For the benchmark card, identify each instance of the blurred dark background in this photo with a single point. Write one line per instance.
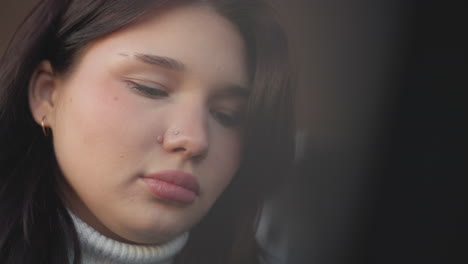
(382, 137)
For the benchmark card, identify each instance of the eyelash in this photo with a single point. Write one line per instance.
(225, 119)
(147, 91)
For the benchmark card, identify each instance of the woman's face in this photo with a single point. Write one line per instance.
(147, 127)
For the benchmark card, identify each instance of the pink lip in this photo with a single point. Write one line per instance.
(173, 185)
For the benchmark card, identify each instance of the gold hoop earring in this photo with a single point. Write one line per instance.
(44, 129)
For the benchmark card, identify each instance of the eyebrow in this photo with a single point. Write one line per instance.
(175, 65)
(165, 62)
(233, 90)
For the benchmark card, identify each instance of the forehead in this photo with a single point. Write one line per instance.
(206, 43)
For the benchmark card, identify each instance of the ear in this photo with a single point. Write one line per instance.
(43, 91)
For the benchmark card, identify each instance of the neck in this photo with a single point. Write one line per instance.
(97, 248)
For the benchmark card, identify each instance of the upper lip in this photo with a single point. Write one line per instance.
(177, 177)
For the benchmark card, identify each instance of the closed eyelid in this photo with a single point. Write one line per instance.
(148, 91)
(229, 103)
(148, 83)
(228, 118)
(233, 92)
(144, 81)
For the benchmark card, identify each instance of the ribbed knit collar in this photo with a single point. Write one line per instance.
(97, 248)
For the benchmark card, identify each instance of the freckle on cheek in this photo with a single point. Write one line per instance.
(116, 98)
(122, 156)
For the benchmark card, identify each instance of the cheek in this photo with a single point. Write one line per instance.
(224, 162)
(98, 124)
(94, 111)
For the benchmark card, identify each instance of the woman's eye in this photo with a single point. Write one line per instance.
(227, 119)
(147, 91)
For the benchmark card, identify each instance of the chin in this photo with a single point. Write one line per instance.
(149, 234)
(157, 227)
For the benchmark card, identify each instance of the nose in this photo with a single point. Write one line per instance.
(187, 133)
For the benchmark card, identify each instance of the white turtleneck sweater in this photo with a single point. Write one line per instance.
(98, 249)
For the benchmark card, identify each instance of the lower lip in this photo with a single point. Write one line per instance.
(170, 191)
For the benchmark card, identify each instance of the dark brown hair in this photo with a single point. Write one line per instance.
(35, 226)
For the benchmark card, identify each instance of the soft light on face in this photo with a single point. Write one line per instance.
(166, 94)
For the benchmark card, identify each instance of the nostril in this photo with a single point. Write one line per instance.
(179, 149)
(199, 157)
